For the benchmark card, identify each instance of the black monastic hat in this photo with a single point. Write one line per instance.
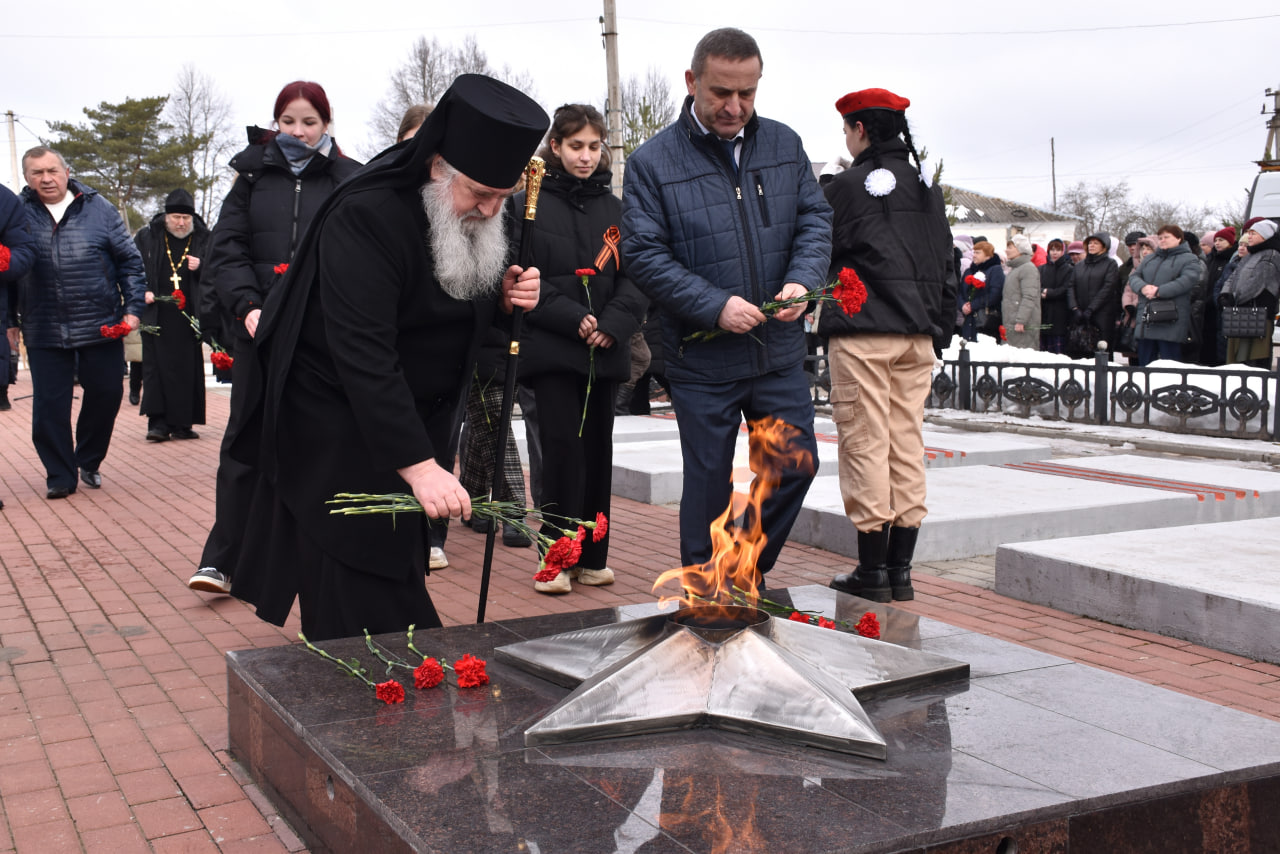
(179, 202)
(491, 130)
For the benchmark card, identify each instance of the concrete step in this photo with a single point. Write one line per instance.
(1213, 584)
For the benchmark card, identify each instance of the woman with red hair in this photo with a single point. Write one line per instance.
(284, 175)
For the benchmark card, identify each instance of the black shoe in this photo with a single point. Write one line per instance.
(514, 537)
(480, 526)
(5, 405)
(58, 492)
(870, 580)
(154, 435)
(902, 546)
(134, 398)
(184, 433)
(91, 479)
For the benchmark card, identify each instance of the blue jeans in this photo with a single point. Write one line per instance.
(710, 416)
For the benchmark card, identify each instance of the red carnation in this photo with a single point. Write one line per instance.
(824, 623)
(221, 361)
(179, 299)
(4, 257)
(798, 617)
(115, 330)
(582, 534)
(585, 271)
(851, 292)
(978, 281)
(546, 573)
(869, 625)
(280, 269)
(602, 528)
(390, 692)
(563, 554)
(428, 674)
(1003, 334)
(470, 671)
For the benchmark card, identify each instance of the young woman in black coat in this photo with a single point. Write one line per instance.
(283, 176)
(574, 352)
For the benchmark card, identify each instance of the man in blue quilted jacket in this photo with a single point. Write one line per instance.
(721, 215)
(87, 275)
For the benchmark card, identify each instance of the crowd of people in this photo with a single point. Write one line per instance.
(367, 314)
(1166, 300)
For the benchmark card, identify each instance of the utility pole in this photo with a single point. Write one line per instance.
(613, 109)
(1271, 154)
(1053, 171)
(13, 152)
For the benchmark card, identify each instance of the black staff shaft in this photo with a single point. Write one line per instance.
(533, 185)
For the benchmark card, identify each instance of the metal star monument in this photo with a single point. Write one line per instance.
(736, 669)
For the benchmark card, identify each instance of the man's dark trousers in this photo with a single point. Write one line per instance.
(100, 368)
(710, 417)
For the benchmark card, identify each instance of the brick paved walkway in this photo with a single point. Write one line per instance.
(113, 728)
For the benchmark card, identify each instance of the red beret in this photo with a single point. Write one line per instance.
(871, 99)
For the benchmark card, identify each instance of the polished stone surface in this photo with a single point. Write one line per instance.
(1033, 751)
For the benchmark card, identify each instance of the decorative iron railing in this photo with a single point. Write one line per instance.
(1209, 402)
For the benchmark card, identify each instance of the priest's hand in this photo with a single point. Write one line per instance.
(520, 287)
(132, 320)
(251, 321)
(193, 263)
(151, 297)
(437, 490)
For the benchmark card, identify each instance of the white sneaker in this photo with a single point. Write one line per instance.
(594, 577)
(559, 584)
(437, 559)
(209, 580)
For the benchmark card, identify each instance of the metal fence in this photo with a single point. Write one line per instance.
(1222, 402)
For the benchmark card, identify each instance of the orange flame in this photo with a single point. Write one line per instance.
(737, 535)
(727, 824)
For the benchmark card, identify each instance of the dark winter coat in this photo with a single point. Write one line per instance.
(173, 361)
(1176, 272)
(1255, 279)
(574, 216)
(694, 233)
(263, 218)
(899, 245)
(87, 272)
(1215, 264)
(988, 297)
(15, 237)
(1095, 291)
(1056, 278)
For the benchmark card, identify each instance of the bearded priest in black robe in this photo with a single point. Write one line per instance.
(368, 345)
(172, 361)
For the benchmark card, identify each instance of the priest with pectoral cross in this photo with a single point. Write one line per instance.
(172, 358)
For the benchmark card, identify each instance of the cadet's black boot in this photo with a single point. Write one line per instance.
(870, 580)
(902, 545)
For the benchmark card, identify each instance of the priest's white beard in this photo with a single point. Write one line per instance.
(469, 253)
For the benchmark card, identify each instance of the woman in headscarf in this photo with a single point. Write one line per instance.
(1255, 281)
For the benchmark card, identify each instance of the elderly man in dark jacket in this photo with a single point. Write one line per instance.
(721, 214)
(88, 275)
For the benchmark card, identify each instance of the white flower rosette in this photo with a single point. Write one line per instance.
(880, 182)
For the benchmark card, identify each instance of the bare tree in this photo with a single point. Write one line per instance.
(201, 118)
(425, 75)
(1100, 207)
(1150, 214)
(647, 107)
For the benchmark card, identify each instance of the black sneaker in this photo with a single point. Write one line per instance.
(209, 580)
(515, 538)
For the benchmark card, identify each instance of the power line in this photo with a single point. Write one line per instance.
(292, 34)
(970, 33)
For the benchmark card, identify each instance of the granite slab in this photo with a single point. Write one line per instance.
(1032, 754)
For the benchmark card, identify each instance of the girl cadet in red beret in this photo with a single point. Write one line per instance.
(891, 231)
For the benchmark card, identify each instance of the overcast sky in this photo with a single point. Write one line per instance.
(1125, 93)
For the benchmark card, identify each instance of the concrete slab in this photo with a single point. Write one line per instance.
(652, 470)
(1262, 487)
(1214, 585)
(975, 509)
